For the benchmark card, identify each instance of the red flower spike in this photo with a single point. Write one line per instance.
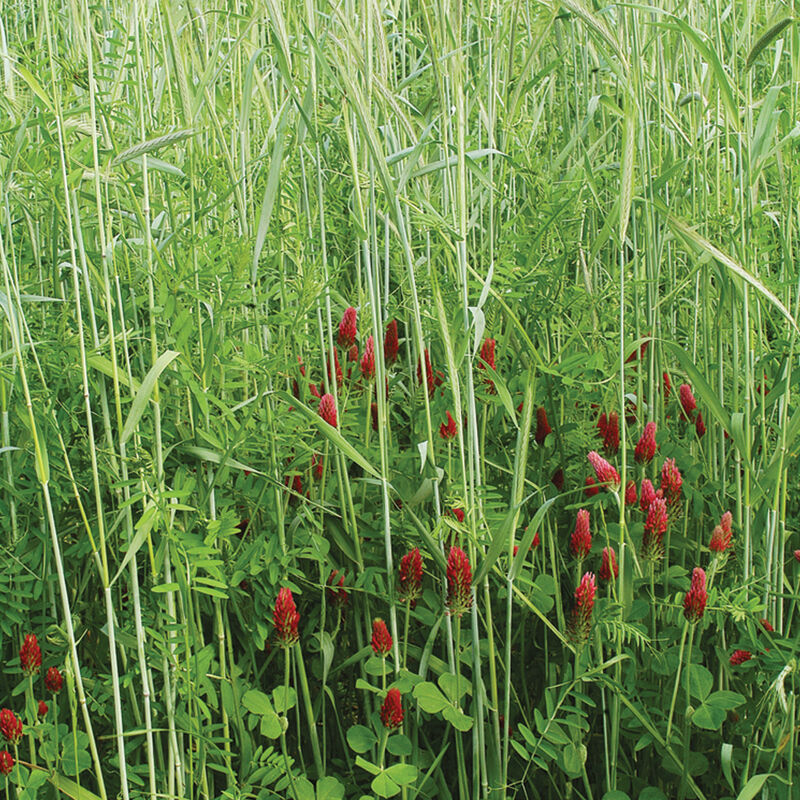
(458, 513)
(726, 522)
(767, 626)
(317, 465)
(720, 539)
(487, 354)
(53, 680)
(667, 387)
(285, 618)
(428, 374)
(30, 656)
(739, 657)
(411, 575)
(542, 426)
(381, 639)
(604, 471)
(368, 360)
(391, 344)
(646, 446)
(694, 604)
(591, 490)
(327, 410)
(337, 366)
(10, 726)
(580, 542)
(487, 359)
(688, 403)
(699, 425)
(392, 710)
(655, 527)
(347, 329)
(602, 424)
(336, 593)
(640, 353)
(797, 555)
(630, 493)
(609, 569)
(6, 762)
(42, 710)
(611, 436)
(459, 582)
(297, 488)
(558, 479)
(671, 482)
(450, 430)
(352, 353)
(580, 624)
(647, 495)
(536, 540)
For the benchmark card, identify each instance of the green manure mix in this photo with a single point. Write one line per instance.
(398, 399)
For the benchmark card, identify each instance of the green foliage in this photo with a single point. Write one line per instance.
(192, 194)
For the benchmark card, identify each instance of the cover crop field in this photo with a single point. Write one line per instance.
(398, 399)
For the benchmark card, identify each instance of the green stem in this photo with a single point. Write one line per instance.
(284, 749)
(312, 725)
(687, 736)
(677, 681)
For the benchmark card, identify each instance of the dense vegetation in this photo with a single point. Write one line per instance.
(399, 399)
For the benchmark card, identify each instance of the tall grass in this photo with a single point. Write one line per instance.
(192, 195)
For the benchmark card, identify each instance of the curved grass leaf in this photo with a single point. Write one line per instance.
(145, 390)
